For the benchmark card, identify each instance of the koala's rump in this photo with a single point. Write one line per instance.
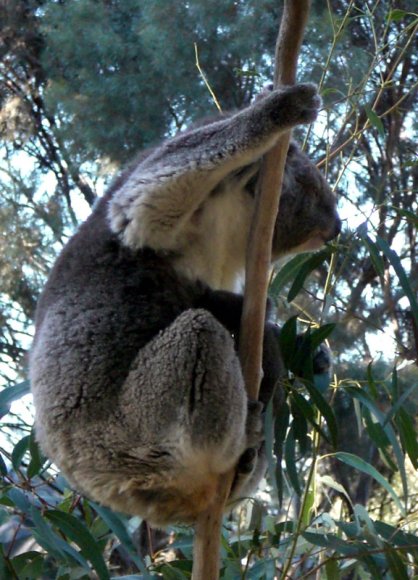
(128, 423)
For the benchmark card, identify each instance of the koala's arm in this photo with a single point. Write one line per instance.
(162, 194)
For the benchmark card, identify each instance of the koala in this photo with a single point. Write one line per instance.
(137, 386)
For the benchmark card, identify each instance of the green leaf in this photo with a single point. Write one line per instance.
(409, 215)
(308, 412)
(403, 278)
(375, 121)
(288, 336)
(3, 466)
(331, 569)
(10, 394)
(52, 543)
(361, 396)
(280, 429)
(331, 542)
(408, 435)
(328, 481)
(361, 465)
(19, 451)
(396, 564)
(19, 499)
(371, 382)
(290, 459)
(272, 463)
(398, 537)
(37, 459)
(375, 256)
(77, 532)
(28, 565)
(117, 526)
(306, 268)
(396, 14)
(325, 410)
(318, 335)
(398, 404)
(287, 273)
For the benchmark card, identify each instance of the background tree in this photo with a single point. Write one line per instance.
(84, 84)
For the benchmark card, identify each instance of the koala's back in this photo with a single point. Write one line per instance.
(102, 303)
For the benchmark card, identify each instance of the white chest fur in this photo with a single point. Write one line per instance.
(214, 242)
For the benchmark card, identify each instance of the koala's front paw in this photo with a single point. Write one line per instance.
(295, 105)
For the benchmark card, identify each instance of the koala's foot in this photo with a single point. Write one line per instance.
(295, 105)
(322, 360)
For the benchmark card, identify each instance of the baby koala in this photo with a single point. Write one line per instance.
(137, 385)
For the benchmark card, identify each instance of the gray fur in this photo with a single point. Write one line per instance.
(137, 386)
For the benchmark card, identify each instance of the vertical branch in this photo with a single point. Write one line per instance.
(206, 549)
(289, 40)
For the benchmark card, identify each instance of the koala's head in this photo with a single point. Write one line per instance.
(307, 215)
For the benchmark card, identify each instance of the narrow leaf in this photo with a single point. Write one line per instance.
(400, 272)
(52, 543)
(117, 526)
(375, 256)
(306, 268)
(10, 394)
(287, 273)
(409, 215)
(360, 395)
(361, 465)
(396, 564)
(318, 335)
(78, 533)
(325, 410)
(290, 459)
(19, 451)
(375, 121)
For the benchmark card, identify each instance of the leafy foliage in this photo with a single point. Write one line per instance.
(83, 85)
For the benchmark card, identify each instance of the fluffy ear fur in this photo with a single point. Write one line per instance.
(137, 386)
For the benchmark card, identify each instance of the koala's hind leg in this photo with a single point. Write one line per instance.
(183, 420)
